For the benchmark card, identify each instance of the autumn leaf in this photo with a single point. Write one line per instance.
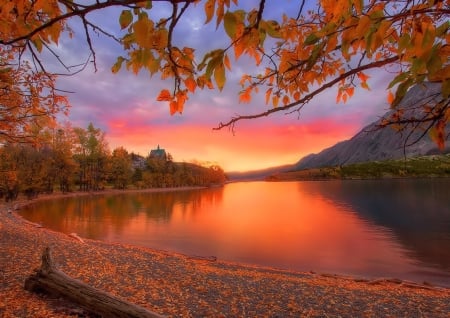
(437, 134)
(230, 24)
(190, 84)
(116, 67)
(268, 93)
(390, 97)
(173, 107)
(143, 28)
(244, 96)
(226, 61)
(275, 100)
(209, 9)
(219, 76)
(125, 19)
(164, 95)
(363, 77)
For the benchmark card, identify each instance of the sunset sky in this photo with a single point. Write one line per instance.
(124, 105)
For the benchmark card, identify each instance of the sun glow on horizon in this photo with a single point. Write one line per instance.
(250, 148)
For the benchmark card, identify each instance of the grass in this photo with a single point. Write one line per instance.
(417, 167)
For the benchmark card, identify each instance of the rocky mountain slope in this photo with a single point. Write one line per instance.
(377, 144)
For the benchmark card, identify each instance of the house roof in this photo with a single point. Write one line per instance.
(158, 153)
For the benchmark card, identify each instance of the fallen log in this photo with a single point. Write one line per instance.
(49, 279)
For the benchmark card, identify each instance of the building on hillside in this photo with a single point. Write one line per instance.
(158, 153)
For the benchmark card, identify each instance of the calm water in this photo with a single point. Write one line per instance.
(396, 228)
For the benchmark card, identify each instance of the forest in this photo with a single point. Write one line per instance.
(77, 159)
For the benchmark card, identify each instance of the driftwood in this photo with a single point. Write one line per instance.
(75, 236)
(51, 280)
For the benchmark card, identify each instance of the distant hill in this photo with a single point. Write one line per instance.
(416, 167)
(375, 144)
(257, 174)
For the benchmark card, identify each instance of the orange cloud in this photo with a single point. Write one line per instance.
(255, 146)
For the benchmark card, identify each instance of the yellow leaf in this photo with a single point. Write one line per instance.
(365, 86)
(219, 76)
(125, 19)
(230, 24)
(116, 67)
(275, 100)
(143, 28)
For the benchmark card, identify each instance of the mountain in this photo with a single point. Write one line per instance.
(376, 144)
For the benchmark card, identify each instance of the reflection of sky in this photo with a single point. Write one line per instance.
(125, 106)
(320, 226)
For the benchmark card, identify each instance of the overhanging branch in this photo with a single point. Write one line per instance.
(304, 100)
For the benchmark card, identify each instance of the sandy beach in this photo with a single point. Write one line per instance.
(178, 285)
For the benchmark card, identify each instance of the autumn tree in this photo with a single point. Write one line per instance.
(120, 170)
(28, 98)
(297, 56)
(91, 153)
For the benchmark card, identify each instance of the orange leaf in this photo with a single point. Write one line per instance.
(173, 107)
(350, 91)
(227, 63)
(363, 77)
(245, 97)
(338, 97)
(190, 83)
(268, 93)
(164, 95)
(390, 97)
(209, 10)
(181, 99)
(275, 100)
(344, 98)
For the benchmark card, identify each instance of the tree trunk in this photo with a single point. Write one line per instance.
(51, 280)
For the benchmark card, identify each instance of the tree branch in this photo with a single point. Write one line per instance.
(309, 96)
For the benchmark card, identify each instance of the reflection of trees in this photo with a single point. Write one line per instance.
(417, 211)
(98, 215)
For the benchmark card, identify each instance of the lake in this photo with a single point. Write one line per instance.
(364, 228)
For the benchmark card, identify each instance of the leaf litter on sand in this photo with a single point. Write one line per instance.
(180, 286)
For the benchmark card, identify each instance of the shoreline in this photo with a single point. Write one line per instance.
(175, 284)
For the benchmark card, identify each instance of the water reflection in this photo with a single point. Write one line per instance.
(357, 227)
(417, 213)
